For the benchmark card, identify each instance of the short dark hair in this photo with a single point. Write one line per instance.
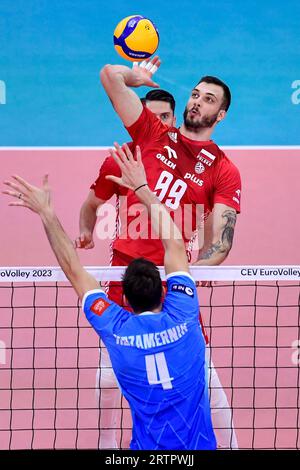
(142, 285)
(160, 95)
(227, 95)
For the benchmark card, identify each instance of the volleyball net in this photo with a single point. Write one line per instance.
(53, 394)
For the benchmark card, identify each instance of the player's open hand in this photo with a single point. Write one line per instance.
(133, 171)
(85, 240)
(36, 199)
(143, 72)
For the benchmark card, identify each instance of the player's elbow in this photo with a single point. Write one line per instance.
(223, 243)
(223, 250)
(105, 71)
(227, 241)
(90, 206)
(108, 74)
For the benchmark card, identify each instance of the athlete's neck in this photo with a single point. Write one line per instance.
(158, 309)
(155, 310)
(202, 134)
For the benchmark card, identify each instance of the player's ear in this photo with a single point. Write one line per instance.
(221, 115)
(125, 301)
(163, 292)
(174, 121)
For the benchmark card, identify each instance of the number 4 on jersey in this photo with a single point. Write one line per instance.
(157, 370)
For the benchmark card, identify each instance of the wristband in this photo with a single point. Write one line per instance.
(145, 184)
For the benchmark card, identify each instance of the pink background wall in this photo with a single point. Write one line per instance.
(267, 230)
(47, 395)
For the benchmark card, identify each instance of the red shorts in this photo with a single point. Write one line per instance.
(115, 291)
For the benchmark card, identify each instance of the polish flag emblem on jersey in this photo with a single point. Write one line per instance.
(99, 306)
(206, 157)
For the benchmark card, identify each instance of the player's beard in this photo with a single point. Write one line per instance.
(203, 122)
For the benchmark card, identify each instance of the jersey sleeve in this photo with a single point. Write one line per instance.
(181, 300)
(104, 315)
(228, 185)
(147, 127)
(104, 189)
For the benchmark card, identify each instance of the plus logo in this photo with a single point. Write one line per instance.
(2, 92)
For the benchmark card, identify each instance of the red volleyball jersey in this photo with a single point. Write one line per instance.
(188, 176)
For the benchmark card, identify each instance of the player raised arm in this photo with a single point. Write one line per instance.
(87, 221)
(134, 178)
(117, 80)
(218, 236)
(39, 201)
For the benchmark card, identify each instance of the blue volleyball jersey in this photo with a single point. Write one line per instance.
(159, 362)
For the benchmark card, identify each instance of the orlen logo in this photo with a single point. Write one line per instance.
(193, 178)
(167, 161)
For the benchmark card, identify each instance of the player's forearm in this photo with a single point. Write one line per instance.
(216, 250)
(213, 255)
(161, 220)
(60, 243)
(117, 81)
(87, 218)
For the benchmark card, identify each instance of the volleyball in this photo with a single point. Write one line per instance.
(136, 38)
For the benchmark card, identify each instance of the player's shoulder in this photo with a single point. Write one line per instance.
(101, 312)
(181, 282)
(147, 114)
(214, 150)
(96, 301)
(181, 301)
(180, 275)
(221, 161)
